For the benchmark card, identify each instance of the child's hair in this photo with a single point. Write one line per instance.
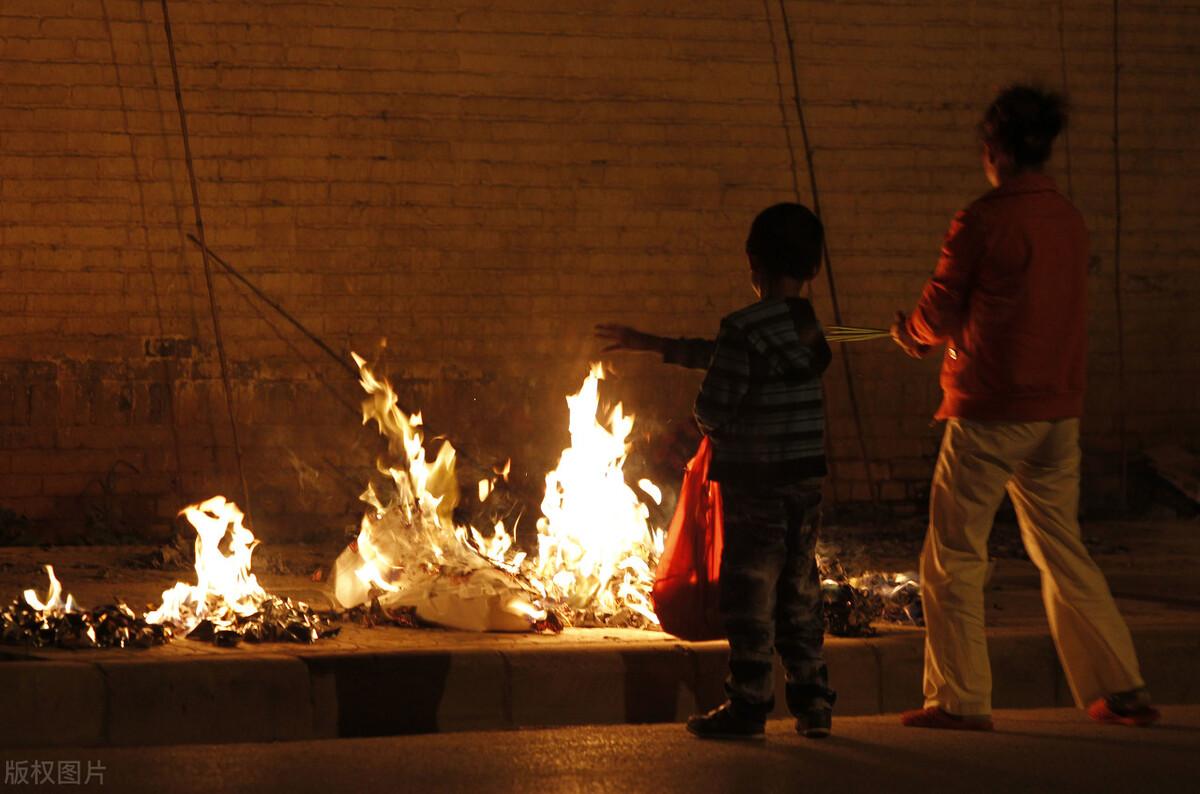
(786, 240)
(1024, 121)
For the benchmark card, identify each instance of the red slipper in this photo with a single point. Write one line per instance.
(936, 717)
(1103, 712)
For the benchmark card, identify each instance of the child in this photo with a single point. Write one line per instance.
(761, 405)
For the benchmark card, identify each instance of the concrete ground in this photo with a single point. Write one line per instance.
(1055, 750)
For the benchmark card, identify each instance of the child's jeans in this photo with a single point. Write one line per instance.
(771, 595)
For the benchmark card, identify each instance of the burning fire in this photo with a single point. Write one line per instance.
(54, 604)
(596, 548)
(410, 551)
(594, 564)
(225, 589)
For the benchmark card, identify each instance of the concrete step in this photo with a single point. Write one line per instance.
(280, 693)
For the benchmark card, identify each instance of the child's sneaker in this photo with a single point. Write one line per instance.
(1125, 708)
(812, 704)
(937, 717)
(724, 722)
(815, 721)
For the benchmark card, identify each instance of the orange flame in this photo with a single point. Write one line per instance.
(225, 588)
(596, 547)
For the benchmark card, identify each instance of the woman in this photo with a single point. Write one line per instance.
(1008, 300)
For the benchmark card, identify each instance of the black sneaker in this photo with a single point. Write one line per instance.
(816, 721)
(724, 723)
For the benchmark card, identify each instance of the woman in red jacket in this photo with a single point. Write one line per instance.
(1008, 300)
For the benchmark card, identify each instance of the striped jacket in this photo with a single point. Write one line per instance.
(761, 399)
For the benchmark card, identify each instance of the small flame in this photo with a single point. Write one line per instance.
(54, 602)
(651, 490)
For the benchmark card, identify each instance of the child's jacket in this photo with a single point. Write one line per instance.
(761, 399)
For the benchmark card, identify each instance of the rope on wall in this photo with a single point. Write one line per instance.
(208, 276)
(787, 130)
(164, 364)
(342, 360)
(847, 367)
(1116, 149)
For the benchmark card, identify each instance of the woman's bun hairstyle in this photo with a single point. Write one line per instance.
(1024, 121)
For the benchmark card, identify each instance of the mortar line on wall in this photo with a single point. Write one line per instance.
(296, 352)
(324, 346)
(248, 287)
(787, 130)
(1066, 88)
(208, 278)
(165, 366)
(145, 28)
(1116, 149)
(847, 367)
(278, 307)
(795, 168)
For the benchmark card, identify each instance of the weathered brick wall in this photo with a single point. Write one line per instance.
(480, 182)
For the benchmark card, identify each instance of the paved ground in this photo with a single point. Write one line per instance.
(1045, 750)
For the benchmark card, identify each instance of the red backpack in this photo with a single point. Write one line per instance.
(687, 582)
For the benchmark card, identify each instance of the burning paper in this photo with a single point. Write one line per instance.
(410, 553)
(596, 548)
(59, 622)
(227, 604)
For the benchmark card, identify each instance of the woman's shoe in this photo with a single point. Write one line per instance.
(1125, 708)
(937, 717)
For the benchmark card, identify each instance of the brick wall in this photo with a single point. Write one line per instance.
(481, 182)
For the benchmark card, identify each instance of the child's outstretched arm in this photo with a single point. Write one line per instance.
(690, 353)
(725, 383)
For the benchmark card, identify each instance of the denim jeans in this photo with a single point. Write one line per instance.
(771, 595)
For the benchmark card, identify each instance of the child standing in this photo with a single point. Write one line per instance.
(761, 405)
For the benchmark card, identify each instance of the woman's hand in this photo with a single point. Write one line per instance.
(622, 337)
(903, 338)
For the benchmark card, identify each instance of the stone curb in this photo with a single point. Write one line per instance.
(278, 697)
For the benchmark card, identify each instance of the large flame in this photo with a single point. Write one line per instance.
(596, 547)
(408, 547)
(225, 588)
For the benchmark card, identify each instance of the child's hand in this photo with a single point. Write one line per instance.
(622, 337)
(903, 338)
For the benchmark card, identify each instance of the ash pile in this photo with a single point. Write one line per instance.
(58, 622)
(855, 598)
(55, 622)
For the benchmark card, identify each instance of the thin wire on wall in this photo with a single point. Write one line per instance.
(1116, 149)
(208, 277)
(847, 367)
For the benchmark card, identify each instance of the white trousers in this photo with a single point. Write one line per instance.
(1038, 463)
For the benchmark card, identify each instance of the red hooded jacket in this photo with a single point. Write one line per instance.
(1009, 298)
